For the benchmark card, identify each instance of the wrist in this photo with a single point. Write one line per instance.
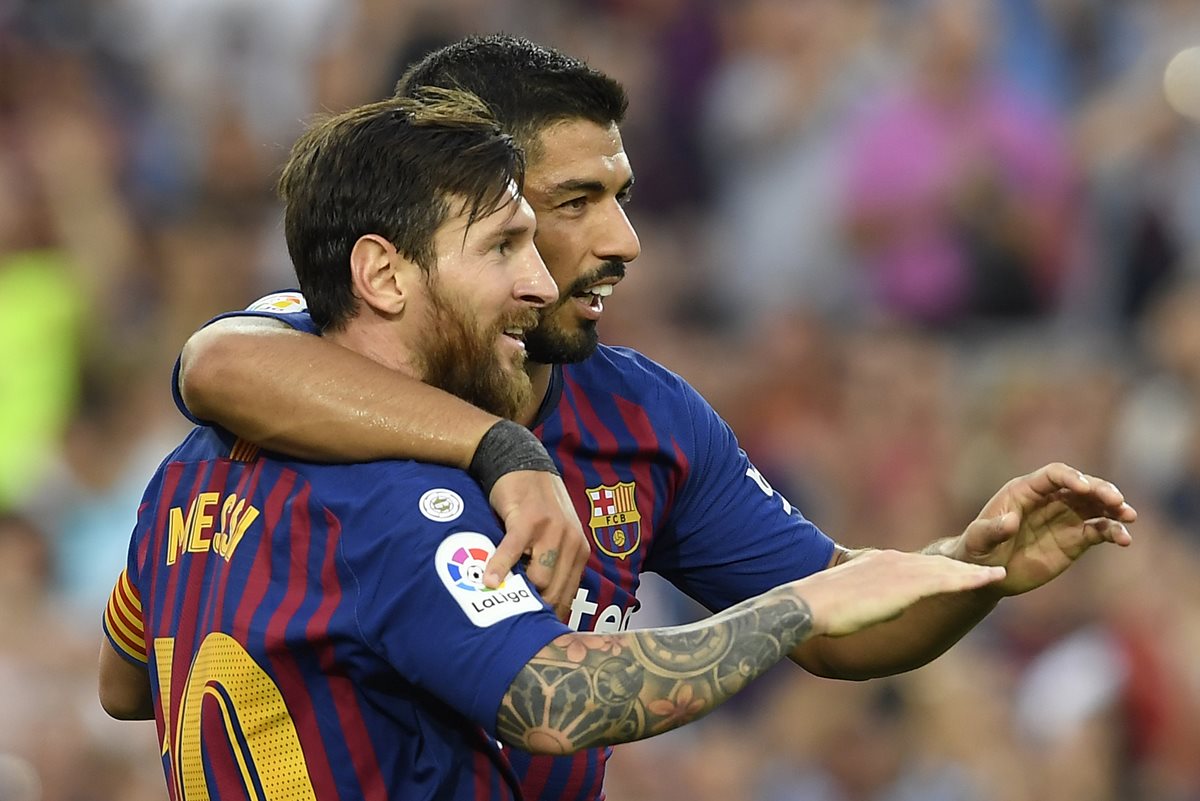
(950, 547)
(508, 447)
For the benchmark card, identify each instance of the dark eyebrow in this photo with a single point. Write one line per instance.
(508, 232)
(584, 185)
(518, 229)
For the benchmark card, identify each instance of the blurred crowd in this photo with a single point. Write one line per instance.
(908, 248)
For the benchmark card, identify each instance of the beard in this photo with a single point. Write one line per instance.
(568, 341)
(552, 343)
(460, 357)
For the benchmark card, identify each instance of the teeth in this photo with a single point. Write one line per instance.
(515, 332)
(604, 290)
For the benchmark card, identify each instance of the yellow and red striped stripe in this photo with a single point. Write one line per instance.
(123, 619)
(244, 451)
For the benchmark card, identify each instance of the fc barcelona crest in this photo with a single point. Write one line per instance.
(615, 522)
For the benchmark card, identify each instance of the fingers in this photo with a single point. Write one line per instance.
(880, 585)
(985, 534)
(541, 523)
(557, 554)
(1104, 501)
(1105, 530)
(1055, 478)
(556, 566)
(507, 554)
(1112, 499)
(974, 578)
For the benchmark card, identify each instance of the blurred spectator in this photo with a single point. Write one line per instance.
(1157, 438)
(1143, 165)
(1061, 51)
(863, 751)
(88, 503)
(960, 189)
(775, 134)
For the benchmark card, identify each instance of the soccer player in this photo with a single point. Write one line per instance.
(656, 477)
(307, 631)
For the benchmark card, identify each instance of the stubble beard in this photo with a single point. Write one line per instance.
(552, 342)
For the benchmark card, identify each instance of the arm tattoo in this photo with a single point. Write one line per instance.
(586, 690)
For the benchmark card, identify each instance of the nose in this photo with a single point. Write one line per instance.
(620, 241)
(534, 285)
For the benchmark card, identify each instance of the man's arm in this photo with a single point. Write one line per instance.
(301, 395)
(305, 396)
(1036, 526)
(124, 687)
(587, 690)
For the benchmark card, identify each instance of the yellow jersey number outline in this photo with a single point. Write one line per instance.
(222, 669)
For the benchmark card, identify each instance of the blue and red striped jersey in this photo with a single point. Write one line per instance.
(322, 631)
(661, 485)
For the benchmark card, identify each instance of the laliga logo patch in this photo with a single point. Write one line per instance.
(460, 561)
(441, 505)
(466, 567)
(280, 303)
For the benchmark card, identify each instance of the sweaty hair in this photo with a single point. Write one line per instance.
(391, 168)
(527, 86)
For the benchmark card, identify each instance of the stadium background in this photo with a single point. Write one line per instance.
(897, 303)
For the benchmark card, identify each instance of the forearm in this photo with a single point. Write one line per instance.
(587, 690)
(124, 689)
(310, 398)
(916, 638)
(921, 634)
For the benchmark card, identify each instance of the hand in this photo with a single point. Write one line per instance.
(540, 521)
(876, 586)
(1038, 525)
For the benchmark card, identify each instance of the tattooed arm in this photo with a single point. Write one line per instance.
(585, 690)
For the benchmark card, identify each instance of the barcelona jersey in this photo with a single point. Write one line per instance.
(661, 485)
(322, 631)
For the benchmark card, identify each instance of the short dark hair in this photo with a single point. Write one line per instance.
(389, 168)
(528, 86)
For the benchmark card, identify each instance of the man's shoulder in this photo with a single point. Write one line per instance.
(287, 307)
(387, 486)
(628, 372)
(350, 483)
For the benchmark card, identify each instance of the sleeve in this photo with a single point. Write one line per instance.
(423, 606)
(288, 307)
(730, 536)
(123, 621)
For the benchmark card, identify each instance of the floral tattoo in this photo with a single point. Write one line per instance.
(586, 690)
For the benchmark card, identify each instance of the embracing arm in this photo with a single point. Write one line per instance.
(242, 372)
(587, 690)
(302, 395)
(1036, 526)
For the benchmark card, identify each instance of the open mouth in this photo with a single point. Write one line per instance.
(517, 335)
(592, 297)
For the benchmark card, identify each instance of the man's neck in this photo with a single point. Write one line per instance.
(365, 342)
(539, 379)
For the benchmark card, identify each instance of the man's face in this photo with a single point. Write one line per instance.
(483, 296)
(577, 187)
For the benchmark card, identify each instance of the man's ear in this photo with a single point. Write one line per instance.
(380, 276)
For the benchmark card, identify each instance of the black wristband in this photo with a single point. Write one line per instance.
(506, 448)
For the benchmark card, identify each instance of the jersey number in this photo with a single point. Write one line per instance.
(757, 478)
(260, 732)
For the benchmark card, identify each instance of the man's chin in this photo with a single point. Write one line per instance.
(553, 345)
